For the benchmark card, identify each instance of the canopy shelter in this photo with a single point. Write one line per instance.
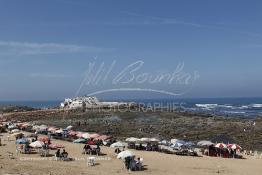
(204, 143)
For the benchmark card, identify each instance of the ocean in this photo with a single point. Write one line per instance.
(242, 107)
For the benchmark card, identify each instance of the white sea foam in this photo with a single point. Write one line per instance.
(235, 112)
(207, 106)
(256, 105)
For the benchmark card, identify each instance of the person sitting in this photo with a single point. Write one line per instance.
(86, 149)
(132, 164)
(57, 154)
(127, 162)
(139, 164)
(64, 154)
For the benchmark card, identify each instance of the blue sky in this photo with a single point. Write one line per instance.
(46, 47)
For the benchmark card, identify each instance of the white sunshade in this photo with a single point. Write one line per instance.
(205, 143)
(154, 140)
(15, 131)
(132, 139)
(118, 144)
(145, 139)
(221, 145)
(86, 135)
(37, 144)
(124, 154)
(174, 141)
(69, 127)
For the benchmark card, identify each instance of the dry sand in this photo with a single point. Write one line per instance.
(156, 163)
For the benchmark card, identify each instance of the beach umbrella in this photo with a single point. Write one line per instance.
(221, 145)
(69, 127)
(132, 139)
(25, 125)
(72, 133)
(55, 146)
(145, 139)
(102, 137)
(59, 131)
(189, 144)
(81, 140)
(204, 143)
(90, 142)
(234, 146)
(174, 141)
(52, 129)
(95, 135)
(11, 127)
(86, 136)
(164, 142)
(79, 134)
(154, 140)
(178, 144)
(43, 138)
(124, 154)
(37, 144)
(118, 144)
(43, 128)
(21, 141)
(15, 131)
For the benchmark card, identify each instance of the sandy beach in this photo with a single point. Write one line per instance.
(155, 163)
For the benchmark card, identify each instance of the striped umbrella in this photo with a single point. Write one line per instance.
(234, 146)
(221, 145)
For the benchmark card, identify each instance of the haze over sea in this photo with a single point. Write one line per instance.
(242, 107)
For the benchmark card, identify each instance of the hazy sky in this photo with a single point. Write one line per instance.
(47, 48)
